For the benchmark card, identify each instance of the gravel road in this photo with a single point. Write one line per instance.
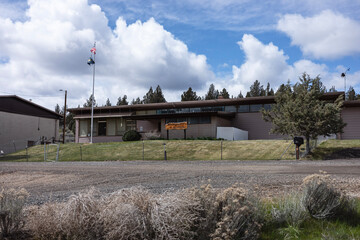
(56, 181)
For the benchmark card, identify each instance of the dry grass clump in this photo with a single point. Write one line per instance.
(12, 202)
(322, 199)
(136, 213)
(131, 213)
(78, 218)
(227, 214)
(289, 210)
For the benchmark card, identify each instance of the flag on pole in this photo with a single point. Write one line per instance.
(90, 61)
(93, 50)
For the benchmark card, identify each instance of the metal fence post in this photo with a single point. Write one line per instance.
(14, 145)
(143, 153)
(27, 157)
(44, 151)
(165, 151)
(221, 149)
(80, 153)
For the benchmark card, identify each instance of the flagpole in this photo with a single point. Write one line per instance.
(92, 100)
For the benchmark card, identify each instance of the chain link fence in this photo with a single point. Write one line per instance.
(158, 150)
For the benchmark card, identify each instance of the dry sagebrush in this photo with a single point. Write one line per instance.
(322, 199)
(226, 214)
(131, 213)
(12, 202)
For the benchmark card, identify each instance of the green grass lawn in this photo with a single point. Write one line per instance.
(180, 150)
(154, 150)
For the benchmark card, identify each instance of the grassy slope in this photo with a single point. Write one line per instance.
(154, 150)
(330, 146)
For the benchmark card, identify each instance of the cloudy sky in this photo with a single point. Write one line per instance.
(44, 46)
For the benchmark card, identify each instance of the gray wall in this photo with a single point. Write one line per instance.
(17, 129)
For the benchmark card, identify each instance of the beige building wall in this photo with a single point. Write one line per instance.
(193, 130)
(17, 129)
(351, 116)
(255, 125)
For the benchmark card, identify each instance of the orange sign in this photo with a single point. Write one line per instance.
(176, 126)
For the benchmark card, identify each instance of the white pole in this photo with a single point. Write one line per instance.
(92, 102)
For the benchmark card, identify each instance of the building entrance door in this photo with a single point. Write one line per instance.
(102, 128)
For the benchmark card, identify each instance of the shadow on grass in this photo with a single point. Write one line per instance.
(332, 153)
(13, 158)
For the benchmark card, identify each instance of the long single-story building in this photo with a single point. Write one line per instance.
(205, 118)
(22, 123)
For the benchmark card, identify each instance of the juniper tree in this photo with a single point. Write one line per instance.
(300, 112)
(189, 95)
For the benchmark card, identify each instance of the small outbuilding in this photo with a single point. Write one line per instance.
(24, 123)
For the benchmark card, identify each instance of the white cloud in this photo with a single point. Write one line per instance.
(328, 35)
(267, 63)
(49, 49)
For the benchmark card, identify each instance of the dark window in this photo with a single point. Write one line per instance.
(159, 126)
(102, 129)
(255, 107)
(268, 106)
(200, 120)
(230, 109)
(243, 108)
(175, 120)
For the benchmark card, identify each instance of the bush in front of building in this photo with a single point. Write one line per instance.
(131, 135)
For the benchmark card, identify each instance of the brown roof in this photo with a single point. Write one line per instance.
(188, 104)
(15, 104)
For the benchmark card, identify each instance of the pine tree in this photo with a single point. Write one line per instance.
(256, 90)
(123, 101)
(212, 93)
(158, 96)
(108, 103)
(269, 91)
(332, 89)
(189, 95)
(224, 94)
(300, 112)
(240, 95)
(351, 94)
(57, 109)
(88, 102)
(137, 101)
(148, 97)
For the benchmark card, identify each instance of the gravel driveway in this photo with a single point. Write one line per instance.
(57, 180)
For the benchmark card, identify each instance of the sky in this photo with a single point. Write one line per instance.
(177, 44)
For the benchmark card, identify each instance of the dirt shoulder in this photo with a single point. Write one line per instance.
(57, 181)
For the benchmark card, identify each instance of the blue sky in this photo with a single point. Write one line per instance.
(176, 44)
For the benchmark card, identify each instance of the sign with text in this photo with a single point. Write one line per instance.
(176, 126)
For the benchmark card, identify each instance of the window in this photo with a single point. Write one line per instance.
(230, 108)
(268, 106)
(120, 126)
(130, 124)
(102, 128)
(84, 127)
(200, 120)
(175, 120)
(243, 108)
(255, 107)
(111, 127)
